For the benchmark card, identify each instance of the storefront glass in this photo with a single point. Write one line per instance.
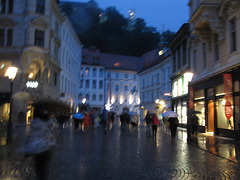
(200, 106)
(184, 112)
(4, 114)
(237, 105)
(222, 121)
(237, 112)
(179, 112)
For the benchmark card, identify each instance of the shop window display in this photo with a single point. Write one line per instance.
(200, 106)
(222, 121)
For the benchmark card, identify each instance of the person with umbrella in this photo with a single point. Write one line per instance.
(78, 118)
(173, 122)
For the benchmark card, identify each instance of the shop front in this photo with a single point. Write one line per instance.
(180, 97)
(217, 101)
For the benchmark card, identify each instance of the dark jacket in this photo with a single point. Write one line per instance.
(148, 119)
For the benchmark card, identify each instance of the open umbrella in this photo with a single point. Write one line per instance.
(169, 114)
(78, 116)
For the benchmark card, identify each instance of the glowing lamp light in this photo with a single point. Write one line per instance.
(121, 100)
(162, 102)
(157, 101)
(84, 100)
(130, 100)
(32, 84)
(11, 72)
(30, 75)
(188, 76)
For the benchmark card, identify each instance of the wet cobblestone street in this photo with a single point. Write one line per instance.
(121, 155)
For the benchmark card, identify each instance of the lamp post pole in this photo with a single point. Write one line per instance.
(11, 73)
(9, 125)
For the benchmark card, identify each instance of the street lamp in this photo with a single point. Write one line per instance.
(11, 74)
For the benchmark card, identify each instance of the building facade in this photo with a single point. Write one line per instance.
(30, 39)
(70, 55)
(155, 83)
(181, 74)
(215, 62)
(109, 81)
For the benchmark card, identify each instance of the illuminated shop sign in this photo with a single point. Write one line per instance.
(32, 84)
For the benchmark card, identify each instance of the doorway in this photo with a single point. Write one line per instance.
(210, 116)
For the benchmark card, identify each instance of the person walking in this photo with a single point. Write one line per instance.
(125, 119)
(148, 120)
(173, 123)
(155, 124)
(105, 121)
(194, 122)
(40, 142)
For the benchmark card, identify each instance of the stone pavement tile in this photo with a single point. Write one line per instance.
(123, 155)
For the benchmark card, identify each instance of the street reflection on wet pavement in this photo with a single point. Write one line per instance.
(130, 154)
(225, 147)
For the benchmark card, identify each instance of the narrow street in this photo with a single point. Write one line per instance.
(121, 155)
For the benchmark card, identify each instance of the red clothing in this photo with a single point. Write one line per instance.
(87, 121)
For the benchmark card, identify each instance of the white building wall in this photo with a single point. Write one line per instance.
(70, 63)
(87, 75)
(152, 89)
(123, 91)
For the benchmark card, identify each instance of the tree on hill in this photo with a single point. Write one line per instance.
(108, 30)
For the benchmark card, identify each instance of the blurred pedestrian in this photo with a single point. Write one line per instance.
(104, 121)
(155, 124)
(148, 120)
(134, 120)
(40, 141)
(93, 116)
(194, 122)
(173, 123)
(76, 123)
(125, 119)
(86, 120)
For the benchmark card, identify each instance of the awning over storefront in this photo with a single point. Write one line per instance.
(4, 98)
(52, 105)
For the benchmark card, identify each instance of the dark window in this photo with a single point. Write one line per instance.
(179, 57)
(174, 61)
(194, 61)
(116, 88)
(3, 6)
(87, 84)
(2, 37)
(9, 37)
(216, 47)
(233, 39)
(39, 38)
(7, 6)
(10, 6)
(55, 79)
(6, 37)
(204, 54)
(184, 53)
(94, 84)
(100, 84)
(40, 6)
(100, 97)
(94, 97)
